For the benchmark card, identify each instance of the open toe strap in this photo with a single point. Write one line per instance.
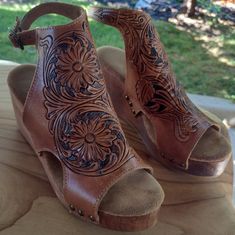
(68, 112)
(84, 193)
(151, 88)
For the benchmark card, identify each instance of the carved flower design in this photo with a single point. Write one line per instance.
(91, 141)
(77, 67)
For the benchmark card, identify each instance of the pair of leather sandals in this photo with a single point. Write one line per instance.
(70, 107)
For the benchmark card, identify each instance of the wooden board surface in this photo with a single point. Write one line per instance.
(28, 205)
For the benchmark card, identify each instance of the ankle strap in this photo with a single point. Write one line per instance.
(20, 35)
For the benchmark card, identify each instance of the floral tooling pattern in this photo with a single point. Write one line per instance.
(91, 140)
(86, 132)
(80, 71)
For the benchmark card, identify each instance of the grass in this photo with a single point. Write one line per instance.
(197, 68)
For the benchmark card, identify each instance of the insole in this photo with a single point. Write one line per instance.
(137, 193)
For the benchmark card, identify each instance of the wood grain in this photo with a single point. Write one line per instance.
(28, 205)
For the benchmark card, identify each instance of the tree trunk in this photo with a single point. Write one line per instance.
(189, 7)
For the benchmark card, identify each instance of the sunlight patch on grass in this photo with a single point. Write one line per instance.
(227, 61)
(231, 42)
(216, 47)
(27, 6)
(17, 7)
(217, 38)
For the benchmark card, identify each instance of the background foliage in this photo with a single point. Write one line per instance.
(203, 63)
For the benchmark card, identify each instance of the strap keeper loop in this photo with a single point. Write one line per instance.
(14, 37)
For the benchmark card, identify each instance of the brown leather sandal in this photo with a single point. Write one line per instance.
(65, 113)
(176, 133)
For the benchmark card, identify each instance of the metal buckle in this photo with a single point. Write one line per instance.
(13, 35)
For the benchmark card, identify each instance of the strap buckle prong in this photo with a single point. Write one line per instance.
(13, 35)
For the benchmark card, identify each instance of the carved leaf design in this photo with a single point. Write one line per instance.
(156, 86)
(87, 135)
(145, 91)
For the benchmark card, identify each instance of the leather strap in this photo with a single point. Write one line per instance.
(68, 111)
(20, 35)
(151, 87)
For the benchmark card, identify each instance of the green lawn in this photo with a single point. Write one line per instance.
(195, 66)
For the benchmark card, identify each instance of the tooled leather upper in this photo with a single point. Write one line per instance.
(68, 112)
(86, 131)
